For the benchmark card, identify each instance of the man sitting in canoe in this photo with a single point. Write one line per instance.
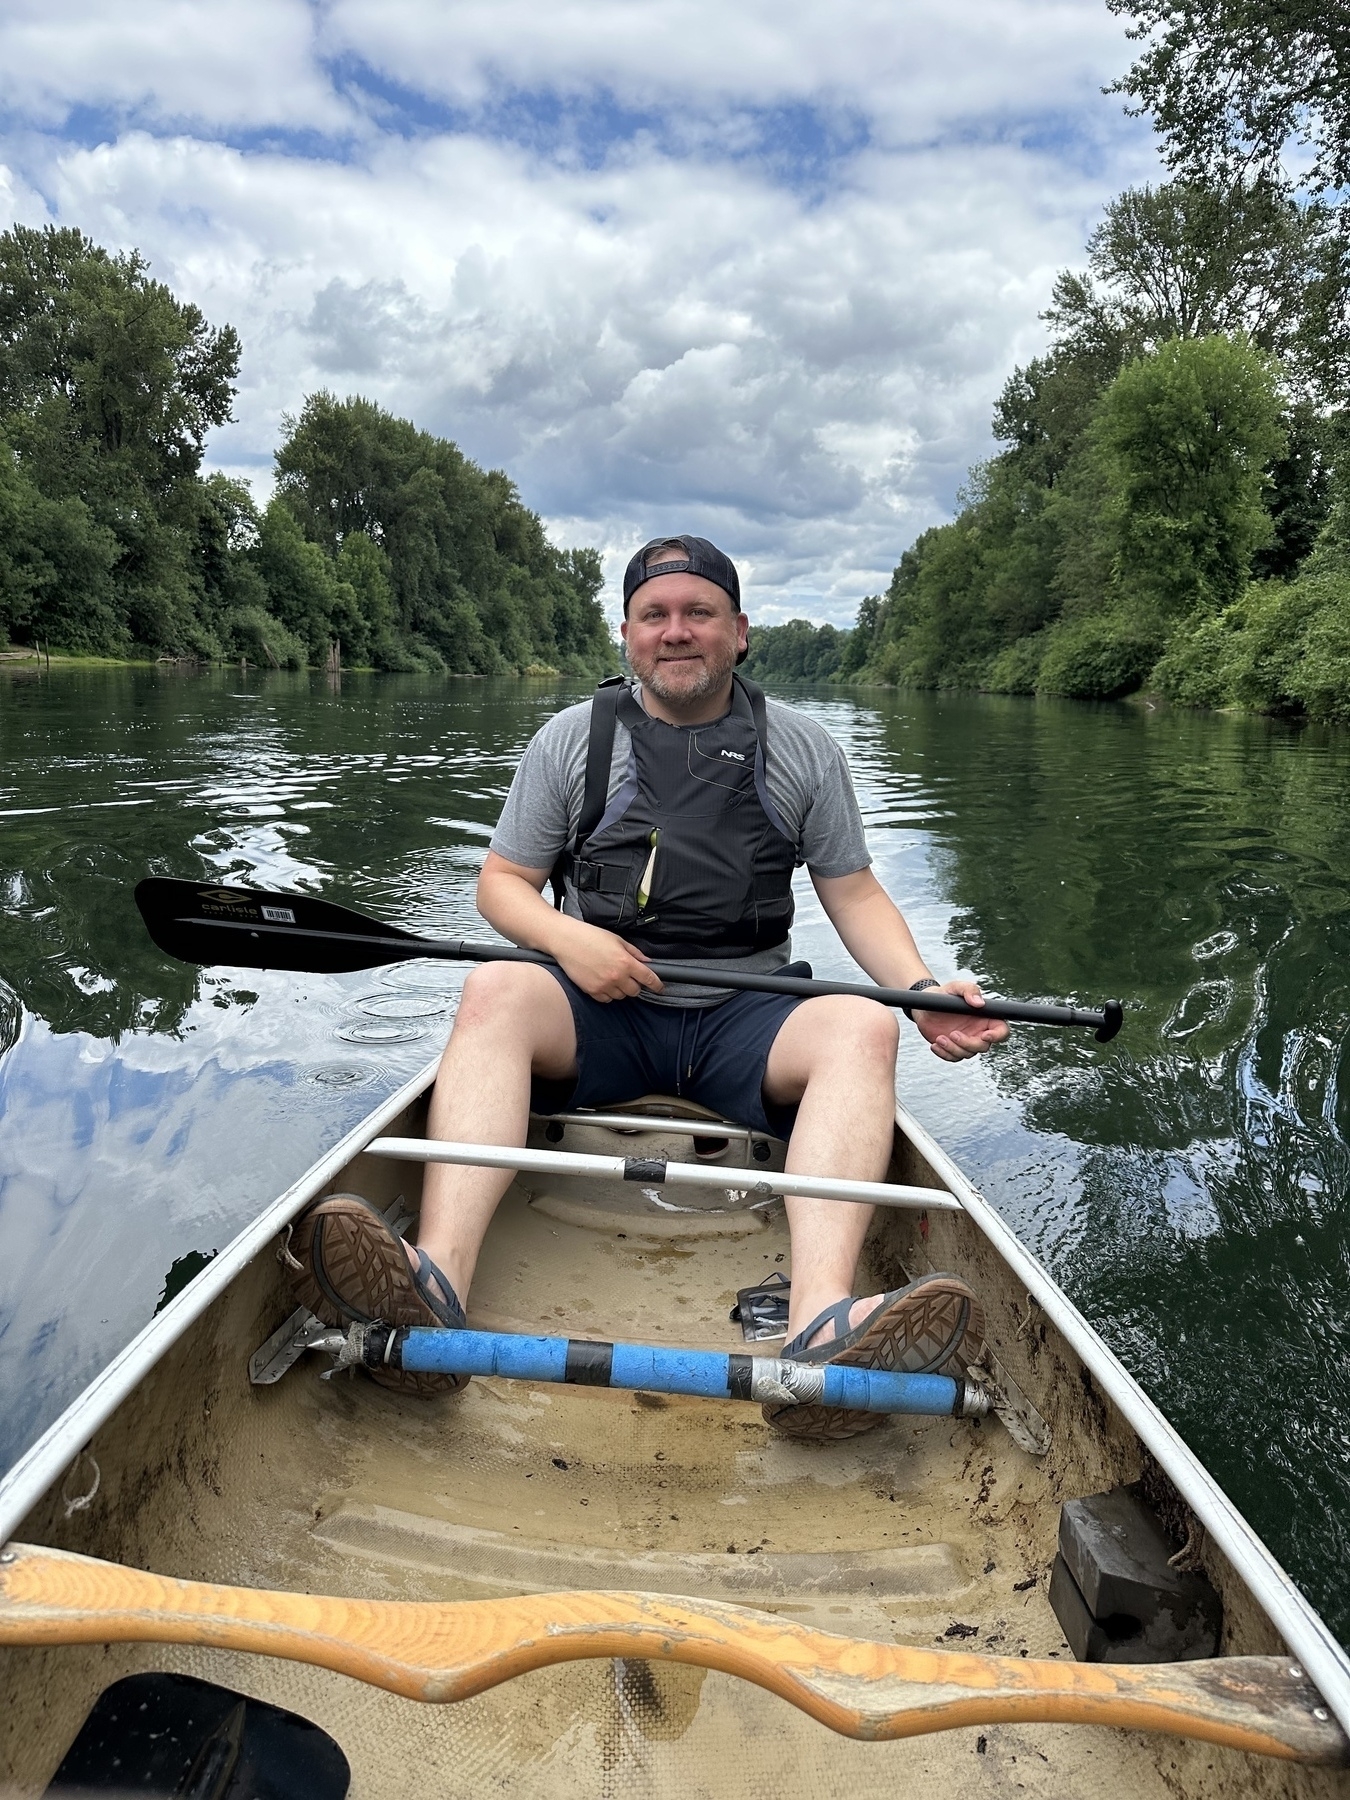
(672, 810)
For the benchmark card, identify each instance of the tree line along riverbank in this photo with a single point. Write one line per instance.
(1171, 506)
(382, 546)
(1182, 529)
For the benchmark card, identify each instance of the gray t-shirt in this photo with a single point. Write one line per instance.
(808, 782)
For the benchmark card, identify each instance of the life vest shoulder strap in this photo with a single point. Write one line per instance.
(599, 756)
(754, 693)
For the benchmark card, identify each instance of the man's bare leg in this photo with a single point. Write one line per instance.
(836, 1057)
(512, 1021)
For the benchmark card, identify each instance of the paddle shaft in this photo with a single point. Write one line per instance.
(1106, 1022)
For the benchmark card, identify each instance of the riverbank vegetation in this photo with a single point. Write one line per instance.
(1164, 499)
(1170, 508)
(382, 545)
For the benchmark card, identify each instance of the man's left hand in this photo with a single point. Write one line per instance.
(953, 1037)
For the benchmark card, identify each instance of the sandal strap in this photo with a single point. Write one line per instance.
(838, 1313)
(446, 1305)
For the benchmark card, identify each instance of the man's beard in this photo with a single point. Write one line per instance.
(713, 673)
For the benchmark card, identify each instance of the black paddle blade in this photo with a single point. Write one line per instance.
(244, 928)
(159, 1734)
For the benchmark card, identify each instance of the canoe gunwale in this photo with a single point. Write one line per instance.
(42, 1464)
(1305, 1634)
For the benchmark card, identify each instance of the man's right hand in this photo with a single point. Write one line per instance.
(602, 964)
(510, 898)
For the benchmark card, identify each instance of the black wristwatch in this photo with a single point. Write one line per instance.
(917, 987)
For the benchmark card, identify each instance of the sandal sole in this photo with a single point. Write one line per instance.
(367, 1267)
(934, 1322)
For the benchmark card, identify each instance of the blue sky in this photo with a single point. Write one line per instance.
(753, 271)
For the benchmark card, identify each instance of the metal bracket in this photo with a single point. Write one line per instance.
(302, 1331)
(1024, 1425)
(398, 1215)
(287, 1344)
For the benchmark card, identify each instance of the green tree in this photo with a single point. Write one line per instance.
(964, 592)
(56, 567)
(299, 580)
(1079, 551)
(1045, 409)
(1191, 259)
(97, 360)
(108, 385)
(364, 569)
(1185, 261)
(475, 584)
(1298, 494)
(797, 651)
(1232, 84)
(226, 551)
(1186, 436)
(860, 643)
(383, 541)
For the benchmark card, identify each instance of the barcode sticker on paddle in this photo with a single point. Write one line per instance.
(278, 915)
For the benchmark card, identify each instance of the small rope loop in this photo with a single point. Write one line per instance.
(1188, 1558)
(1024, 1325)
(78, 1502)
(285, 1255)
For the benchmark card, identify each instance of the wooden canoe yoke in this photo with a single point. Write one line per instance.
(440, 1651)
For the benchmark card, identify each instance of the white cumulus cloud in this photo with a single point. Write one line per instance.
(754, 272)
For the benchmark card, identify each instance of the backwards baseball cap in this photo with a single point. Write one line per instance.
(700, 558)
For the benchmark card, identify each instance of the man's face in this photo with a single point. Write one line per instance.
(683, 635)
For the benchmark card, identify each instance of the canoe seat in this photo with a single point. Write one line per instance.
(660, 1126)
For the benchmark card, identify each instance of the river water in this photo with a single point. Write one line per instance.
(1186, 1184)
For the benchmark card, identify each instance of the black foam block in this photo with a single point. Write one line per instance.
(1115, 1592)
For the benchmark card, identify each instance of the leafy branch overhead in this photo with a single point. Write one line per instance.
(1243, 88)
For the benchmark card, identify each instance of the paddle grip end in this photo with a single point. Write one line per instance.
(1113, 1017)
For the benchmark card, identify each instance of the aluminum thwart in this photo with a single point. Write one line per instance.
(653, 1172)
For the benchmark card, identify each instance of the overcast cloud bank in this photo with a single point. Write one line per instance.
(754, 272)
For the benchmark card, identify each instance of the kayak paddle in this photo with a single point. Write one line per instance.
(245, 928)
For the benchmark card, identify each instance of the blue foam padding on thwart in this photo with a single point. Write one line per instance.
(661, 1371)
(875, 1390)
(654, 1368)
(436, 1352)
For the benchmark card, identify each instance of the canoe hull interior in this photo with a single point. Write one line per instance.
(937, 1533)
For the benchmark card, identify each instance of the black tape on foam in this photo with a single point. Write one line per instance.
(589, 1365)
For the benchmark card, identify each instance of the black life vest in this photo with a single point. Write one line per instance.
(691, 858)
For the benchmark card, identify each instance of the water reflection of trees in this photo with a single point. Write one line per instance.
(378, 790)
(1200, 868)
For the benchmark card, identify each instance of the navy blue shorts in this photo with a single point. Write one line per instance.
(714, 1055)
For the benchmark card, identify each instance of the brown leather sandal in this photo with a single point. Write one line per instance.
(354, 1268)
(935, 1325)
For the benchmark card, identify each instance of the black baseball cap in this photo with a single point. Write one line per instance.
(700, 558)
